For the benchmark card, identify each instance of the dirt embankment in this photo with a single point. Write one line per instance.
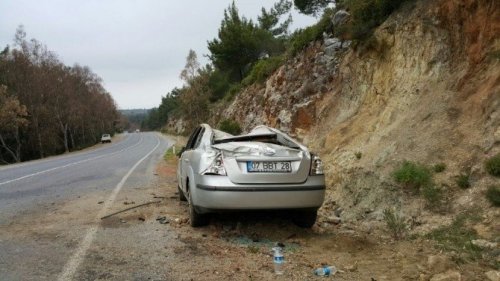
(237, 246)
(427, 91)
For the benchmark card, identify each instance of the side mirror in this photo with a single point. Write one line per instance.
(181, 151)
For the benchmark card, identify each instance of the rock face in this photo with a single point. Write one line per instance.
(288, 99)
(425, 91)
(481, 243)
(493, 275)
(438, 263)
(340, 18)
(447, 276)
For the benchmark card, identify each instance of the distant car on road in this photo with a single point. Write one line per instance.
(105, 138)
(262, 170)
(137, 130)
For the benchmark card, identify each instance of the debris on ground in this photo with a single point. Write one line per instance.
(124, 210)
(162, 219)
(326, 270)
(246, 241)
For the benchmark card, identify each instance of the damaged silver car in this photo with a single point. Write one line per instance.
(262, 170)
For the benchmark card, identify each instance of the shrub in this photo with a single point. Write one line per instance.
(412, 175)
(230, 126)
(263, 69)
(233, 91)
(495, 54)
(440, 167)
(169, 154)
(301, 38)
(493, 194)
(395, 223)
(463, 181)
(457, 237)
(492, 165)
(433, 195)
(358, 155)
(366, 15)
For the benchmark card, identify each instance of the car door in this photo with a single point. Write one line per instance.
(184, 161)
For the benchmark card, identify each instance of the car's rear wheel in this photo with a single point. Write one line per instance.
(182, 197)
(196, 218)
(305, 219)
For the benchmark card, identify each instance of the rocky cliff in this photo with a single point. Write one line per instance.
(426, 90)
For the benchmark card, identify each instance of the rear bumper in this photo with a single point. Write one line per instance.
(218, 193)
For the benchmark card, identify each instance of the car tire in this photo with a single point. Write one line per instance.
(305, 219)
(182, 197)
(196, 219)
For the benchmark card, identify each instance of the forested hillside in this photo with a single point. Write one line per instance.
(46, 107)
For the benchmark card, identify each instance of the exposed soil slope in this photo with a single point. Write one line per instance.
(427, 90)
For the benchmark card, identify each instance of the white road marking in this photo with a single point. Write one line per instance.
(71, 164)
(72, 265)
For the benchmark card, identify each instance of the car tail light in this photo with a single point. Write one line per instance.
(316, 166)
(217, 167)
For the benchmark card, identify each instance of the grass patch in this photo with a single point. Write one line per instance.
(263, 69)
(418, 178)
(253, 249)
(492, 165)
(463, 181)
(457, 237)
(169, 154)
(494, 54)
(233, 91)
(493, 194)
(412, 175)
(301, 38)
(395, 223)
(439, 168)
(433, 195)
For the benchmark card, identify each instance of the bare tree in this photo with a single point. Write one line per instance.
(194, 96)
(12, 117)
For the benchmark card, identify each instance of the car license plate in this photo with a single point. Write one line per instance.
(269, 166)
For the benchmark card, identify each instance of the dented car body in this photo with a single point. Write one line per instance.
(262, 170)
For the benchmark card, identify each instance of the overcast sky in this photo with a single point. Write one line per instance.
(138, 47)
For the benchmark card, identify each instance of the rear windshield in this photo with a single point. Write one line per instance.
(266, 138)
(269, 138)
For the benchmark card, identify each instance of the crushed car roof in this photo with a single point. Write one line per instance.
(259, 133)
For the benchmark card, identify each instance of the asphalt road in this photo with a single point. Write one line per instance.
(50, 209)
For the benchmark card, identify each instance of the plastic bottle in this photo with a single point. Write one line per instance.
(278, 259)
(325, 271)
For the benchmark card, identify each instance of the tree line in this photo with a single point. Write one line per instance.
(240, 44)
(46, 107)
